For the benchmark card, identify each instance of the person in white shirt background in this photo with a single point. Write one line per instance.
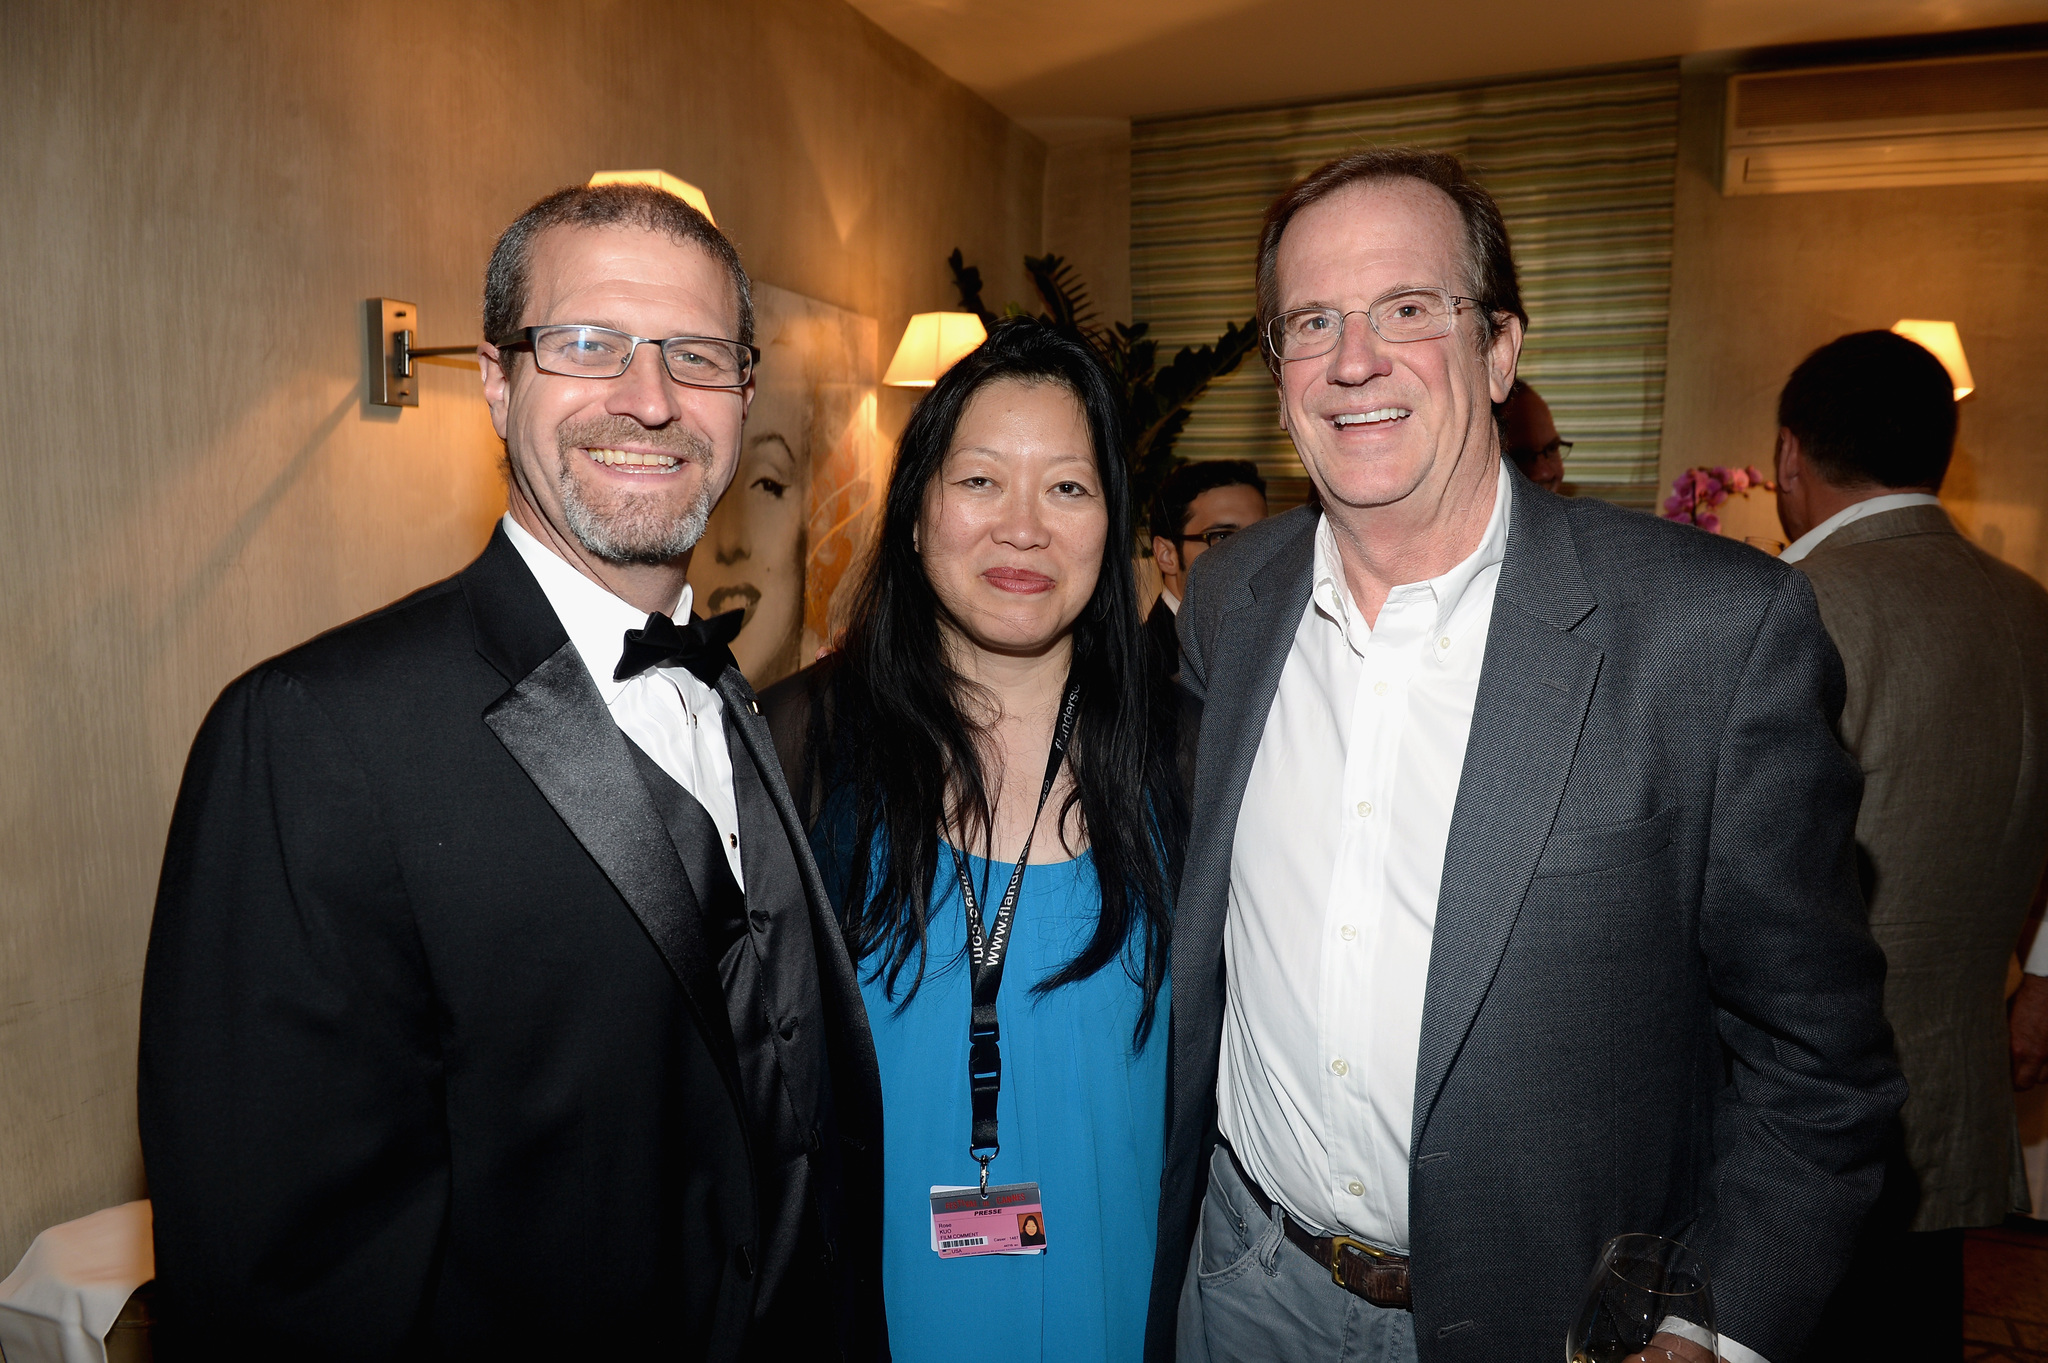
(1946, 653)
(1817, 497)
(1519, 909)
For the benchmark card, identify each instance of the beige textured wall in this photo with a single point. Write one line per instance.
(1088, 205)
(198, 199)
(1758, 282)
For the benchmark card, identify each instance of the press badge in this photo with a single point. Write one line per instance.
(1011, 1220)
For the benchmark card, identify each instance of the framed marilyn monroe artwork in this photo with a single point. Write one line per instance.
(783, 542)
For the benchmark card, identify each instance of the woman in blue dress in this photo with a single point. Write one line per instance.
(994, 732)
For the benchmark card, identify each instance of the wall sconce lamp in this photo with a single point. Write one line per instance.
(660, 179)
(931, 345)
(1941, 338)
(393, 323)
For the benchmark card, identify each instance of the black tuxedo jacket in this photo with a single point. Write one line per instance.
(436, 1060)
(1653, 1001)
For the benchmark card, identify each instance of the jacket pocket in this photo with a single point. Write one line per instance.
(1577, 851)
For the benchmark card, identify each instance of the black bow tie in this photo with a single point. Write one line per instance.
(699, 646)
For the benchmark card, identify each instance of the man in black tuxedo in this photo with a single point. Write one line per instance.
(1197, 507)
(493, 1005)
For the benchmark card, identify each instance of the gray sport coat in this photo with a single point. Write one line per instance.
(1653, 1002)
(1946, 650)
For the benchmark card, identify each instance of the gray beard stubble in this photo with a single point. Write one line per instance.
(624, 536)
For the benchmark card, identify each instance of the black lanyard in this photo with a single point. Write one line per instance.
(986, 950)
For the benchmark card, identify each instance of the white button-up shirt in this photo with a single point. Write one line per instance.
(676, 719)
(1334, 874)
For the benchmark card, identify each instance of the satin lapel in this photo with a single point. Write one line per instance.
(1243, 666)
(555, 725)
(855, 1041)
(1534, 689)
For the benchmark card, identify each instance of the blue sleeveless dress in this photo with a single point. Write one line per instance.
(1079, 1112)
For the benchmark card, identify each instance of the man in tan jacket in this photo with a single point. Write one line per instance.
(1946, 650)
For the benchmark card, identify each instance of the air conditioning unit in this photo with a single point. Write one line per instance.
(1947, 121)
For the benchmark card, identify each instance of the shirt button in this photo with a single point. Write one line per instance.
(733, 838)
(1379, 688)
(1340, 1066)
(1355, 1188)
(1444, 642)
(1365, 809)
(1347, 932)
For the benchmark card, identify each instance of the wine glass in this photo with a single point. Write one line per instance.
(1644, 1289)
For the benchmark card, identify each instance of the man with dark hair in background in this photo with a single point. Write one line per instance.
(1519, 908)
(1946, 650)
(1528, 436)
(1199, 506)
(493, 1006)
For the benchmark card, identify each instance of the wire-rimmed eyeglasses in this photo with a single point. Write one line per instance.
(586, 352)
(1420, 314)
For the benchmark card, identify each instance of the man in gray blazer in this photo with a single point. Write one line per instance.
(1946, 650)
(1520, 907)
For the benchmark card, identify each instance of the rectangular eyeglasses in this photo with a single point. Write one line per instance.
(585, 352)
(1400, 316)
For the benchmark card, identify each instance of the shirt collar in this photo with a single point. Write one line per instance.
(1333, 594)
(1172, 601)
(1855, 511)
(596, 620)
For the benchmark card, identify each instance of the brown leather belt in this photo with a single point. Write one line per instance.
(1380, 1276)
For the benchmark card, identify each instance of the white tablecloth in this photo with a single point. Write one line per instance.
(60, 1301)
(2033, 1107)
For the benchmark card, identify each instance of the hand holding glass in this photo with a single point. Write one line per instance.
(1648, 1302)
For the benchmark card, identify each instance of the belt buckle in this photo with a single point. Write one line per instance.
(1340, 1243)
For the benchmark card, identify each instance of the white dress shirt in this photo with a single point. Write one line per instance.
(676, 719)
(1856, 511)
(1172, 601)
(1334, 873)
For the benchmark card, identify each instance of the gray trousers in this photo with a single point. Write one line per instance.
(1251, 1297)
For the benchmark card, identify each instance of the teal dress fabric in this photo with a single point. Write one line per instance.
(1079, 1113)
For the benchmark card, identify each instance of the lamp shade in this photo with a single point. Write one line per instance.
(931, 344)
(1941, 338)
(660, 179)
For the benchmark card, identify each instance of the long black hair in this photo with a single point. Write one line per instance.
(904, 741)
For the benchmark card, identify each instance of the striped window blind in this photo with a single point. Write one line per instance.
(1582, 166)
